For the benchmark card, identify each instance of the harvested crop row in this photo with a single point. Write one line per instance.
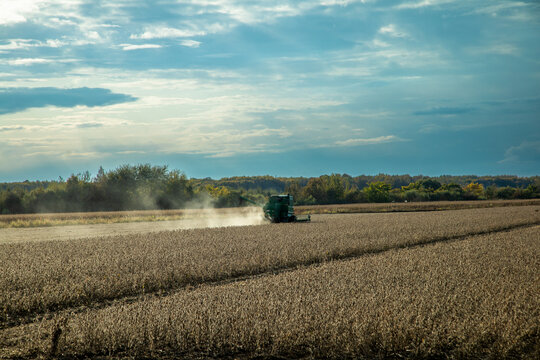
(41, 277)
(476, 298)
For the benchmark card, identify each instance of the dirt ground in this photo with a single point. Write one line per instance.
(69, 232)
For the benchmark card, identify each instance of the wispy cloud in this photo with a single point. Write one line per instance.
(423, 3)
(367, 141)
(497, 8)
(190, 43)
(167, 32)
(497, 49)
(393, 31)
(445, 111)
(29, 61)
(17, 44)
(526, 151)
(36, 61)
(129, 47)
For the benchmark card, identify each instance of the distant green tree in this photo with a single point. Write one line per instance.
(430, 184)
(295, 189)
(416, 195)
(176, 192)
(491, 192)
(378, 192)
(11, 202)
(335, 188)
(533, 191)
(315, 189)
(329, 189)
(506, 192)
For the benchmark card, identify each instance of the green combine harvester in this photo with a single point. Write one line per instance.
(280, 208)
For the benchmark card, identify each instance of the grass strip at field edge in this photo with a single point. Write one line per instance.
(242, 276)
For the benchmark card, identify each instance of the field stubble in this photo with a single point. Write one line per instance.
(475, 298)
(49, 276)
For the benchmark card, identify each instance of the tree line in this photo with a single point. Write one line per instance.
(144, 186)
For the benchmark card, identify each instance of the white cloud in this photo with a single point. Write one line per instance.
(108, 25)
(18, 44)
(511, 10)
(526, 151)
(166, 32)
(423, 3)
(93, 35)
(497, 49)
(131, 152)
(494, 10)
(81, 155)
(128, 47)
(379, 43)
(54, 43)
(367, 141)
(34, 61)
(62, 22)
(16, 11)
(190, 43)
(29, 61)
(261, 11)
(339, 2)
(391, 30)
(361, 63)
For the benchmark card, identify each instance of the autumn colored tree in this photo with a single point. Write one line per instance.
(474, 191)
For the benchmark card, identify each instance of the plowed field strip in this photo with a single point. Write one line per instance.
(293, 266)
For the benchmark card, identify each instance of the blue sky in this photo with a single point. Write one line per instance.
(286, 88)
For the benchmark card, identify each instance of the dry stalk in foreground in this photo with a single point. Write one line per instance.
(475, 298)
(47, 276)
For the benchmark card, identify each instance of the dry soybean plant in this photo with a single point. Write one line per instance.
(473, 298)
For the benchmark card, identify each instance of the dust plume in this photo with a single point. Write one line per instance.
(193, 219)
(233, 217)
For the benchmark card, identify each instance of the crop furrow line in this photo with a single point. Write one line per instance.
(193, 284)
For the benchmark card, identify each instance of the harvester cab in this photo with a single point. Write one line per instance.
(279, 208)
